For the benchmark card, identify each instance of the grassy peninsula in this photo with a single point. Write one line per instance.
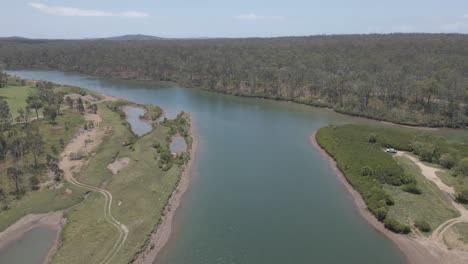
(393, 187)
(89, 164)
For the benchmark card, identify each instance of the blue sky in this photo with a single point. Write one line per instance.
(234, 18)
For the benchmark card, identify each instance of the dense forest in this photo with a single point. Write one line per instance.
(415, 79)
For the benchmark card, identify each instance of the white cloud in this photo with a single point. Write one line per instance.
(71, 11)
(255, 17)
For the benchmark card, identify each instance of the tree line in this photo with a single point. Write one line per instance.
(415, 79)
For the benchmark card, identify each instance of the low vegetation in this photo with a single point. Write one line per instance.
(140, 190)
(393, 189)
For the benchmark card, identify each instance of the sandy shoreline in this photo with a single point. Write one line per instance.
(415, 249)
(158, 239)
(53, 220)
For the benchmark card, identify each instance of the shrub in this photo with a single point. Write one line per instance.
(372, 138)
(412, 188)
(366, 171)
(426, 151)
(397, 227)
(423, 226)
(462, 167)
(447, 160)
(462, 194)
(34, 183)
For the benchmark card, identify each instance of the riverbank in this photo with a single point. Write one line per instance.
(15, 232)
(163, 230)
(415, 249)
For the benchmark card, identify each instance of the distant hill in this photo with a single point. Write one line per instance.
(133, 37)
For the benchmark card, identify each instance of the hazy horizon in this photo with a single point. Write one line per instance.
(58, 19)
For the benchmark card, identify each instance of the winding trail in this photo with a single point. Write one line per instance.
(85, 142)
(431, 174)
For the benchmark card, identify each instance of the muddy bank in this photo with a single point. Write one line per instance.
(163, 231)
(53, 221)
(416, 249)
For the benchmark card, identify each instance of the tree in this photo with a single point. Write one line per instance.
(5, 116)
(23, 115)
(51, 112)
(16, 176)
(3, 148)
(34, 102)
(17, 146)
(3, 79)
(35, 144)
(80, 105)
(93, 108)
(69, 101)
(34, 181)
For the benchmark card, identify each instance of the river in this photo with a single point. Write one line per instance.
(259, 193)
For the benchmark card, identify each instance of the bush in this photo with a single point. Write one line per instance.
(397, 227)
(366, 171)
(462, 167)
(412, 188)
(34, 183)
(447, 160)
(426, 151)
(372, 138)
(423, 226)
(462, 194)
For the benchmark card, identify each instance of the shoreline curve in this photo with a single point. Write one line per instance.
(159, 238)
(414, 249)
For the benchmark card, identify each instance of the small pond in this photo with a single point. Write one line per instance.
(139, 126)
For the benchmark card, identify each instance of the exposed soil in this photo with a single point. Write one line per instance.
(118, 165)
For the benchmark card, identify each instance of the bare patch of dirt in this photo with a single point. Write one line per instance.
(118, 165)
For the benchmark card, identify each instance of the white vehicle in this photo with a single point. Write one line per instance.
(391, 150)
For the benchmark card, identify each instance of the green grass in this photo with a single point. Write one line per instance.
(431, 206)
(142, 189)
(349, 145)
(16, 97)
(462, 229)
(42, 201)
(152, 112)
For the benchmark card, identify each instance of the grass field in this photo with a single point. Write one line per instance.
(379, 178)
(140, 192)
(431, 206)
(16, 97)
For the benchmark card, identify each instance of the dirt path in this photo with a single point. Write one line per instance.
(430, 174)
(85, 142)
